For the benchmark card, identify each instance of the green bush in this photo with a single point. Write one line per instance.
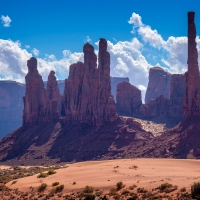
(42, 187)
(51, 171)
(42, 175)
(88, 189)
(55, 183)
(164, 186)
(195, 190)
(58, 189)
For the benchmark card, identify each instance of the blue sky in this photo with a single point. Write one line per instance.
(55, 32)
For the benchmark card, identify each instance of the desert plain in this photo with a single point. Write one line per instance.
(141, 179)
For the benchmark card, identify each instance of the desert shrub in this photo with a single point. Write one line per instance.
(163, 186)
(42, 175)
(13, 182)
(88, 189)
(89, 197)
(58, 189)
(183, 189)
(125, 192)
(113, 191)
(132, 187)
(195, 190)
(55, 183)
(42, 187)
(119, 185)
(51, 171)
(141, 190)
(167, 187)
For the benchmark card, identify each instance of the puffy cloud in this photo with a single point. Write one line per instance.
(35, 51)
(66, 53)
(13, 62)
(151, 36)
(6, 20)
(136, 20)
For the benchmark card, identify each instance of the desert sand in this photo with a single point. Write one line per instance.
(103, 175)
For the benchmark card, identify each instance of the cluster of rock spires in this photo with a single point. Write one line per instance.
(40, 105)
(87, 97)
(164, 96)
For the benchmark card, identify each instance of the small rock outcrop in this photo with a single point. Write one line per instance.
(128, 99)
(191, 105)
(87, 91)
(37, 105)
(159, 84)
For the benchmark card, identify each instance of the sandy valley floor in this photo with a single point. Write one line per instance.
(103, 175)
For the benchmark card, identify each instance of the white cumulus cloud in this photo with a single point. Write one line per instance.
(35, 51)
(6, 20)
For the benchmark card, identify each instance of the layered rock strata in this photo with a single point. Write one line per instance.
(128, 99)
(191, 105)
(87, 91)
(159, 84)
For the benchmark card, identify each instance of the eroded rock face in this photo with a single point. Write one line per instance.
(53, 93)
(156, 107)
(159, 84)
(177, 94)
(37, 106)
(87, 91)
(128, 99)
(191, 102)
(114, 82)
(11, 106)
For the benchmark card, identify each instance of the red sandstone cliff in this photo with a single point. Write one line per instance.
(128, 99)
(159, 84)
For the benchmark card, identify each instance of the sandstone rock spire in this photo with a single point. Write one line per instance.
(87, 91)
(35, 99)
(53, 92)
(40, 105)
(191, 101)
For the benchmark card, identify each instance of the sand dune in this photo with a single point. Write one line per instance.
(147, 173)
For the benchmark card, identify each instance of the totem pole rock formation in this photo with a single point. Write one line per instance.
(128, 99)
(37, 107)
(87, 91)
(191, 105)
(53, 92)
(159, 84)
